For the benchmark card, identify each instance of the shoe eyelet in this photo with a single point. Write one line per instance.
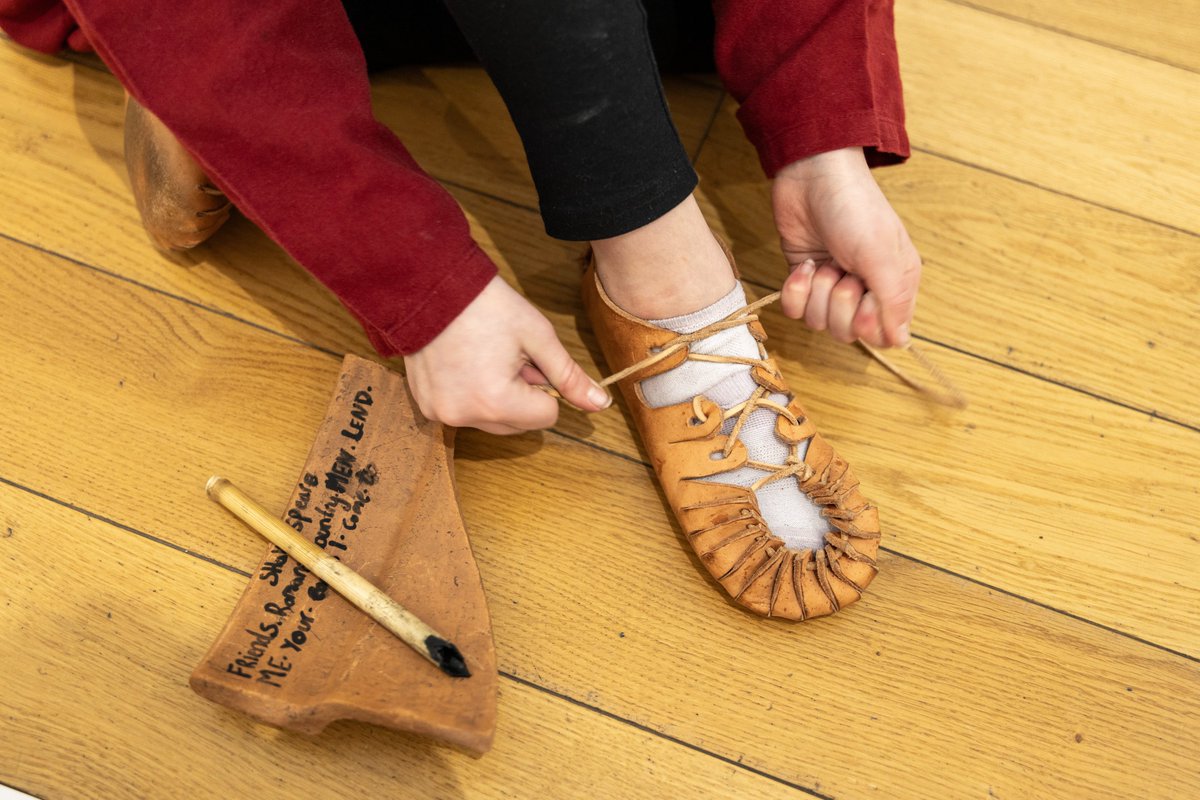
(716, 456)
(694, 421)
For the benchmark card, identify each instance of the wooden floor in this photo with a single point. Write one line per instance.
(1034, 633)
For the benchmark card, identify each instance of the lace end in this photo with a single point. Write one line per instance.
(948, 395)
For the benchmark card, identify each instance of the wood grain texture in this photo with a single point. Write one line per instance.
(243, 273)
(1073, 116)
(590, 591)
(121, 398)
(1042, 271)
(1022, 544)
(1168, 30)
(1069, 291)
(61, 155)
(965, 220)
(1054, 495)
(96, 703)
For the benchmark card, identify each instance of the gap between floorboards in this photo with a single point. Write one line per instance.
(508, 675)
(553, 431)
(1072, 35)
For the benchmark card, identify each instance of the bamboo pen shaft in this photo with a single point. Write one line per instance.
(341, 578)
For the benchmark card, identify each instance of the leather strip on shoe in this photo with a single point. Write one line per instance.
(723, 523)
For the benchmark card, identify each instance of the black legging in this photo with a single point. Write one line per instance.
(580, 80)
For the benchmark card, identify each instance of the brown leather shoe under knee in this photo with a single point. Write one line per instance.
(179, 207)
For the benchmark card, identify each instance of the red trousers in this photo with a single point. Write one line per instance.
(276, 109)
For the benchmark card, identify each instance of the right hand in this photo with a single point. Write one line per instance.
(481, 371)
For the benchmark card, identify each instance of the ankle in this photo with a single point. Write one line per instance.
(671, 266)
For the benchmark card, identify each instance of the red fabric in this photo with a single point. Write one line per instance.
(43, 25)
(813, 76)
(277, 110)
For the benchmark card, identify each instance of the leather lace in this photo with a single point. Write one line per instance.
(946, 392)
(759, 398)
(213, 191)
(829, 489)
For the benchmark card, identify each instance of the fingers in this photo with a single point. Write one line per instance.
(895, 289)
(867, 324)
(563, 373)
(796, 289)
(876, 307)
(503, 408)
(816, 313)
(835, 300)
(483, 370)
(533, 376)
(843, 305)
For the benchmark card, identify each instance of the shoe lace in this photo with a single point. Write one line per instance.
(759, 398)
(946, 393)
(832, 488)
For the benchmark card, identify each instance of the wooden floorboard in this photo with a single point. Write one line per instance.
(590, 595)
(61, 154)
(1013, 497)
(1023, 547)
(1041, 269)
(1033, 630)
(1022, 544)
(112, 624)
(1167, 31)
(1077, 294)
(1076, 117)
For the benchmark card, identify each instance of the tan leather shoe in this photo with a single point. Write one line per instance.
(723, 523)
(179, 207)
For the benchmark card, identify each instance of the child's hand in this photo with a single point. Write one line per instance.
(863, 281)
(478, 371)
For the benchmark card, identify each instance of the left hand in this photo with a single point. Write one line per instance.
(862, 272)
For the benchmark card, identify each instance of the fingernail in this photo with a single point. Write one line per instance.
(599, 397)
(903, 331)
(808, 267)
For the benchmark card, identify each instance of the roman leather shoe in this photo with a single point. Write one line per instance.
(722, 522)
(179, 207)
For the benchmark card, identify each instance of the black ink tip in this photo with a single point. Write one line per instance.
(447, 657)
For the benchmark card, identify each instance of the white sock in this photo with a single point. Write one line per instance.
(787, 510)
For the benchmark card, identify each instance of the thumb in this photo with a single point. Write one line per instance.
(563, 373)
(896, 290)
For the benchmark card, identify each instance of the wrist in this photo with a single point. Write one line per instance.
(846, 160)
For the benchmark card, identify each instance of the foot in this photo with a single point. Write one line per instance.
(674, 274)
(672, 266)
(180, 208)
(668, 303)
(770, 509)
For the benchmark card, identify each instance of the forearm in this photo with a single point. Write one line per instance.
(272, 100)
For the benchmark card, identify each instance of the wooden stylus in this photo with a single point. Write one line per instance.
(345, 581)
